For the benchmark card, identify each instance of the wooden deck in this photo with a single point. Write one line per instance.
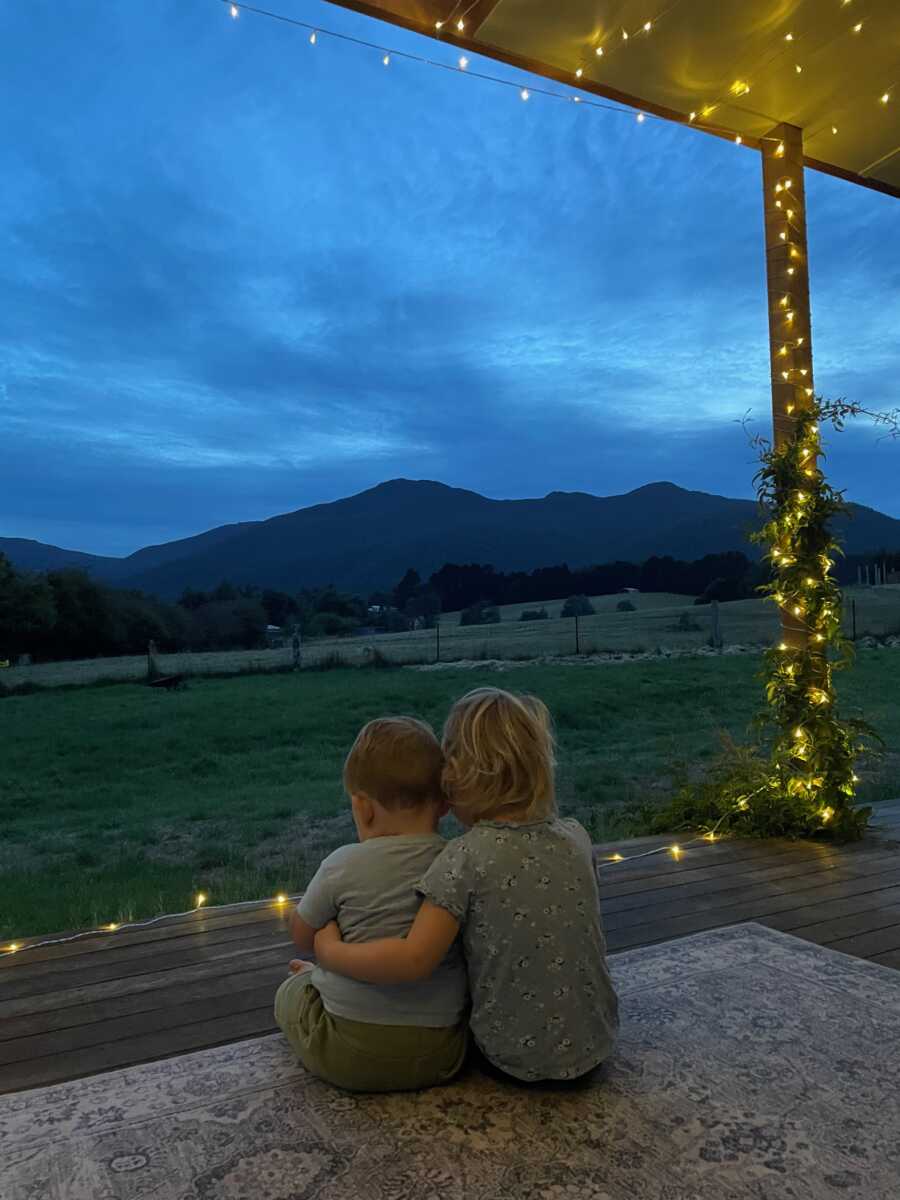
(198, 981)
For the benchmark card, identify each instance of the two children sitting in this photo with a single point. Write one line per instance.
(386, 1007)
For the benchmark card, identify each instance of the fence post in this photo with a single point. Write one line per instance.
(437, 630)
(716, 630)
(577, 636)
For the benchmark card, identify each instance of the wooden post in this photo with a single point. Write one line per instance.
(790, 338)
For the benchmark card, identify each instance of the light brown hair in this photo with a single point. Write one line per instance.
(396, 761)
(499, 753)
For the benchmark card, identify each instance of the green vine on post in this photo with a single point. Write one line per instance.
(811, 783)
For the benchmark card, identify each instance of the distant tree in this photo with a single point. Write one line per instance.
(625, 606)
(407, 588)
(479, 614)
(533, 614)
(191, 599)
(577, 606)
(27, 611)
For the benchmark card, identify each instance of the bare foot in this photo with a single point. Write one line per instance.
(297, 966)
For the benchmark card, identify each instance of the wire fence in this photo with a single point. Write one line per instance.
(748, 625)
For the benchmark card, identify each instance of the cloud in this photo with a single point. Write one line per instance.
(243, 274)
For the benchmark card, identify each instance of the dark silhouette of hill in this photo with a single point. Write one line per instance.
(368, 540)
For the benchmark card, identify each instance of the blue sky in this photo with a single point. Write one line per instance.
(242, 274)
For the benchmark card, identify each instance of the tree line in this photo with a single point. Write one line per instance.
(66, 614)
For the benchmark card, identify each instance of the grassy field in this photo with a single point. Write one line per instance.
(662, 621)
(121, 802)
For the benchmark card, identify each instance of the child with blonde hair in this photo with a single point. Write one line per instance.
(521, 889)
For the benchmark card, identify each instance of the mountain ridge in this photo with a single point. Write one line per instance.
(367, 540)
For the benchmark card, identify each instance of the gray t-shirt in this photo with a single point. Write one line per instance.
(543, 1005)
(369, 888)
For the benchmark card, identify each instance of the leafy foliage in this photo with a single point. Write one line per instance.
(811, 784)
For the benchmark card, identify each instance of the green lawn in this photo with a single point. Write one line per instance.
(119, 802)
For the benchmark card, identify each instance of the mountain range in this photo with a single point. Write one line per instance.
(367, 541)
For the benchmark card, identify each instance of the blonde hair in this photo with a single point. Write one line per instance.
(499, 754)
(397, 761)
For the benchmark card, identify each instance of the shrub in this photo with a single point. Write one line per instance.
(479, 614)
(577, 606)
(625, 606)
(534, 614)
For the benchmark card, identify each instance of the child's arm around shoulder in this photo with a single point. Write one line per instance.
(391, 960)
(446, 889)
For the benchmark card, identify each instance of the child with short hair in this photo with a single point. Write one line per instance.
(520, 885)
(380, 1035)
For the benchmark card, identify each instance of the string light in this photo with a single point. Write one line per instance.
(579, 73)
(675, 851)
(692, 117)
(788, 37)
(738, 139)
(599, 51)
(524, 93)
(624, 35)
(885, 97)
(387, 60)
(463, 62)
(648, 25)
(235, 11)
(641, 118)
(114, 927)
(313, 38)
(857, 28)
(460, 24)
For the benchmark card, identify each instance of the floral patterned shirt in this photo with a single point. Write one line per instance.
(543, 1005)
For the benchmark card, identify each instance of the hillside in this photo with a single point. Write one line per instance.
(368, 540)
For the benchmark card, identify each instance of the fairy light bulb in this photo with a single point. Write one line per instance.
(779, 150)
(313, 38)
(788, 37)
(624, 35)
(201, 899)
(742, 805)
(885, 97)
(798, 68)
(235, 11)
(692, 117)
(857, 28)
(834, 129)
(439, 24)
(599, 51)
(112, 927)
(675, 851)
(463, 62)
(827, 814)
(460, 24)
(616, 858)
(281, 898)
(641, 118)
(13, 947)
(738, 140)
(648, 25)
(524, 94)
(387, 60)
(709, 837)
(579, 73)
(782, 646)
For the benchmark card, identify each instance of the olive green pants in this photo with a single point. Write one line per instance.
(361, 1057)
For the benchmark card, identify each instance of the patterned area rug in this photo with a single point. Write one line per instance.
(751, 1065)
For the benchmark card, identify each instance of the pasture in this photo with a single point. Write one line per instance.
(661, 621)
(121, 802)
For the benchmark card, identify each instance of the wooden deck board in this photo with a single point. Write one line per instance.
(206, 978)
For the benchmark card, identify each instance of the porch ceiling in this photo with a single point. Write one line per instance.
(697, 57)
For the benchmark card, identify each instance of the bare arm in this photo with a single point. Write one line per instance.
(302, 933)
(391, 960)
